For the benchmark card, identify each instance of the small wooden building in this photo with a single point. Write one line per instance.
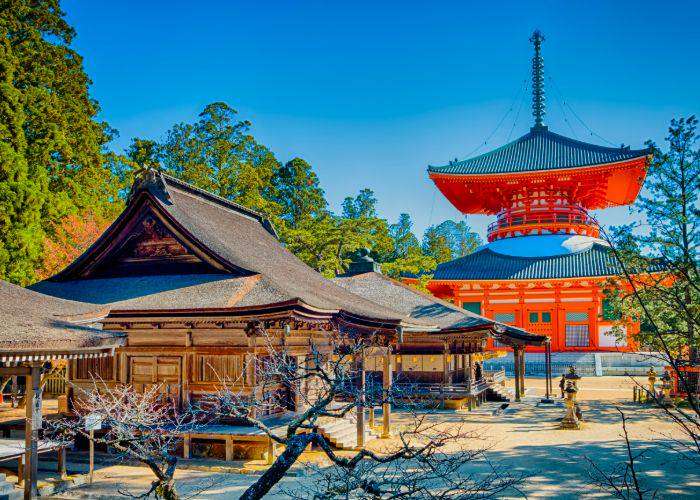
(36, 330)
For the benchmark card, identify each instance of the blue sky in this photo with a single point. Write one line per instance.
(370, 93)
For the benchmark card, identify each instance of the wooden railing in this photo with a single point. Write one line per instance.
(495, 376)
(511, 219)
(55, 383)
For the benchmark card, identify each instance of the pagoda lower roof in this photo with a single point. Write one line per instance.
(539, 150)
(595, 261)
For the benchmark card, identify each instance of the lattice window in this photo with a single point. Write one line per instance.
(474, 307)
(577, 335)
(504, 317)
(98, 368)
(218, 368)
(576, 317)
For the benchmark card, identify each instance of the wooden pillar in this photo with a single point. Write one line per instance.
(13, 391)
(229, 448)
(31, 431)
(361, 401)
(20, 470)
(522, 370)
(186, 446)
(386, 386)
(446, 375)
(270, 451)
(251, 381)
(516, 367)
(62, 463)
(471, 368)
(465, 368)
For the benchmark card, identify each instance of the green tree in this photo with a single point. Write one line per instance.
(62, 142)
(218, 154)
(298, 192)
(61, 128)
(661, 256)
(362, 228)
(404, 239)
(144, 153)
(408, 257)
(450, 240)
(23, 187)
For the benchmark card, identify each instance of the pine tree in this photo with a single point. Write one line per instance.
(22, 189)
(298, 192)
(63, 143)
(218, 154)
(662, 255)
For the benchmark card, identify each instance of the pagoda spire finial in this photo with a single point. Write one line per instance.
(538, 80)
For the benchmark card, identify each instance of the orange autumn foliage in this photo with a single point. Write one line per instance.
(69, 241)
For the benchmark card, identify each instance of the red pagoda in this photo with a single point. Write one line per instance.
(544, 266)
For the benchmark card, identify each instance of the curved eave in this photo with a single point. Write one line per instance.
(436, 172)
(295, 308)
(602, 185)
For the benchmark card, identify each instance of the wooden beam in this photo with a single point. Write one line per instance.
(15, 371)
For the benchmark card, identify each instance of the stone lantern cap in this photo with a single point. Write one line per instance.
(572, 375)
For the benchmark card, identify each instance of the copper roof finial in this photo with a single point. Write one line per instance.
(538, 80)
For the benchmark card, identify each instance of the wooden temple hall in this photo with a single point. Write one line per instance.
(194, 282)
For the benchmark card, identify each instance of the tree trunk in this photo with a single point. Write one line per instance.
(166, 490)
(295, 447)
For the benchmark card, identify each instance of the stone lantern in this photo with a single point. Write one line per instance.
(570, 420)
(666, 399)
(572, 376)
(651, 375)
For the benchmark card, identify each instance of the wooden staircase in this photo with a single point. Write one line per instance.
(342, 432)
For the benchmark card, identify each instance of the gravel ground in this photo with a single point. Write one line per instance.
(524, 438)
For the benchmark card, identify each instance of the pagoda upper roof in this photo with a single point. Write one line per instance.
(538, 150)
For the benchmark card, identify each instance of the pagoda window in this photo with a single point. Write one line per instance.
(576, 329)
(546, 317)
(474, 307)
(534, 317)
(504, 317)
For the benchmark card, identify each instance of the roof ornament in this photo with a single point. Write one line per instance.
(149, 178)
(538, 109)
(364, 263)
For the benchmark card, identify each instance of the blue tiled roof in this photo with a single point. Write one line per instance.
(539, 150)
(486, 264)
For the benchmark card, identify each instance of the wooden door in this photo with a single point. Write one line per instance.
(164, 371)
(540, 321)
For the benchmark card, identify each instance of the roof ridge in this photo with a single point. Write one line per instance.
(595, 244)
(544, 134)
(179, 183)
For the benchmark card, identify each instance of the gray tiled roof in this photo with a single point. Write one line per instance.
(33, 321)
(486, 264)
(539, 150)
(391, 293)
(242, 239)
